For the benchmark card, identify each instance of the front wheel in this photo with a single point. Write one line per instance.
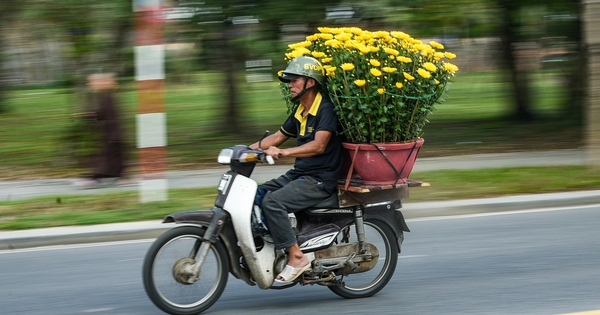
(166, 284)
(370, 282)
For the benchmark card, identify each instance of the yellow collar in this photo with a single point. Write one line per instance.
(313, 111)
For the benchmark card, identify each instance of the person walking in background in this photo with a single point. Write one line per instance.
(109, 164)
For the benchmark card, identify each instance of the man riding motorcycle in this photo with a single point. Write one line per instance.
(318, 154)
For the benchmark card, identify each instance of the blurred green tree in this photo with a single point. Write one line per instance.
(564, 31)
(515, 22)
(223, 27)
(96, 34)
(8, 10)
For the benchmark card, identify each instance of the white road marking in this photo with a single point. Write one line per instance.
(74, 246)
(489, 214)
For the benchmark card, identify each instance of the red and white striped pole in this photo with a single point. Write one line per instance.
(151, 117)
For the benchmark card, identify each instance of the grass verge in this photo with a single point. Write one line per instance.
(445, 185)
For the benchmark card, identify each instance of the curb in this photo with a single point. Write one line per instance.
(500, 204)
(72, 235)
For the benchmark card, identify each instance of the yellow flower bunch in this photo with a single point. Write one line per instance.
(382, 83)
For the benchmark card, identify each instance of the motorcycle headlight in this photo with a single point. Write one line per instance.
(225, 156)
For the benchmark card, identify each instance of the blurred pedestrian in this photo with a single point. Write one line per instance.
(109, 164)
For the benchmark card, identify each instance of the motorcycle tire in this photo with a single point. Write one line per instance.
(368, 283)
(165, 254)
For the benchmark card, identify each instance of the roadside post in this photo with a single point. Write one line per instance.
(151, 126)
(591, 12)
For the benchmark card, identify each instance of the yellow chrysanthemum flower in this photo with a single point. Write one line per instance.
(329, 70)
(450, 55)
(374, 49)
(399, 85)
(380, 90)
(298, 53)
(349, 45)
(450, 67)
(360, 82)
(279, 73)
(347, 66)
(356, 31)
(304, 44)
(375, 72)
(408, 77)
(436, 81)
(423, 48)
(343, 37)
(317, 54)
(400, 35)
(326, 60)
(430, 66)
(439, 55)
(375, 62)
(424, 73)
(324, 29)
(381, 34)
(333, 43)
(312, 38)
(391, 51)
(404, 59)
(364, 49)
(326, 36)
(436, 45)
(389, 69)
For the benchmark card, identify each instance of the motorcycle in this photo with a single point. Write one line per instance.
(352, 240)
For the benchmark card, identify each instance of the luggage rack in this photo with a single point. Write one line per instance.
(358, 193)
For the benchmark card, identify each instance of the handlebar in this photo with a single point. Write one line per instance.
(243, 154)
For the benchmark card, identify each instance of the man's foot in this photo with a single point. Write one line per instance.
(289, 273)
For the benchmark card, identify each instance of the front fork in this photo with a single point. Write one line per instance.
(199, 251)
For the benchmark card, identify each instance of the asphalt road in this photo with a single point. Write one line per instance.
(542, 261)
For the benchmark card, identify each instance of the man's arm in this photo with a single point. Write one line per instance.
(312, 148)
(274, 140)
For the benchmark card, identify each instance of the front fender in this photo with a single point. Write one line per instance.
(199, 217)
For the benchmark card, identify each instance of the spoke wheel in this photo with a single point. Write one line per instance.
(368, 283)
(166, 282)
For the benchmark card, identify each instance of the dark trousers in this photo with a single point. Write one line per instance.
(286, 196)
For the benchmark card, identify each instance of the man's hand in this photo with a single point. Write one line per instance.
(275, 152)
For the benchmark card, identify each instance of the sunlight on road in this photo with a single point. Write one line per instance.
(597, 312)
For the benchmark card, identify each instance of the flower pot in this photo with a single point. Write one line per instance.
(383, 163)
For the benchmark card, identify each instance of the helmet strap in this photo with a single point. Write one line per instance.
(304, 90)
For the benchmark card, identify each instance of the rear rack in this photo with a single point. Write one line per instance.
(357, 193)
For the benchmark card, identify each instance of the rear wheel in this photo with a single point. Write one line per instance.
(368, 283)
(165, 282)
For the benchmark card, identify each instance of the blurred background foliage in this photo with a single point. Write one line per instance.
(54, 44)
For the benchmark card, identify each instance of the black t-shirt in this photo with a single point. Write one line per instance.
(324, 167)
